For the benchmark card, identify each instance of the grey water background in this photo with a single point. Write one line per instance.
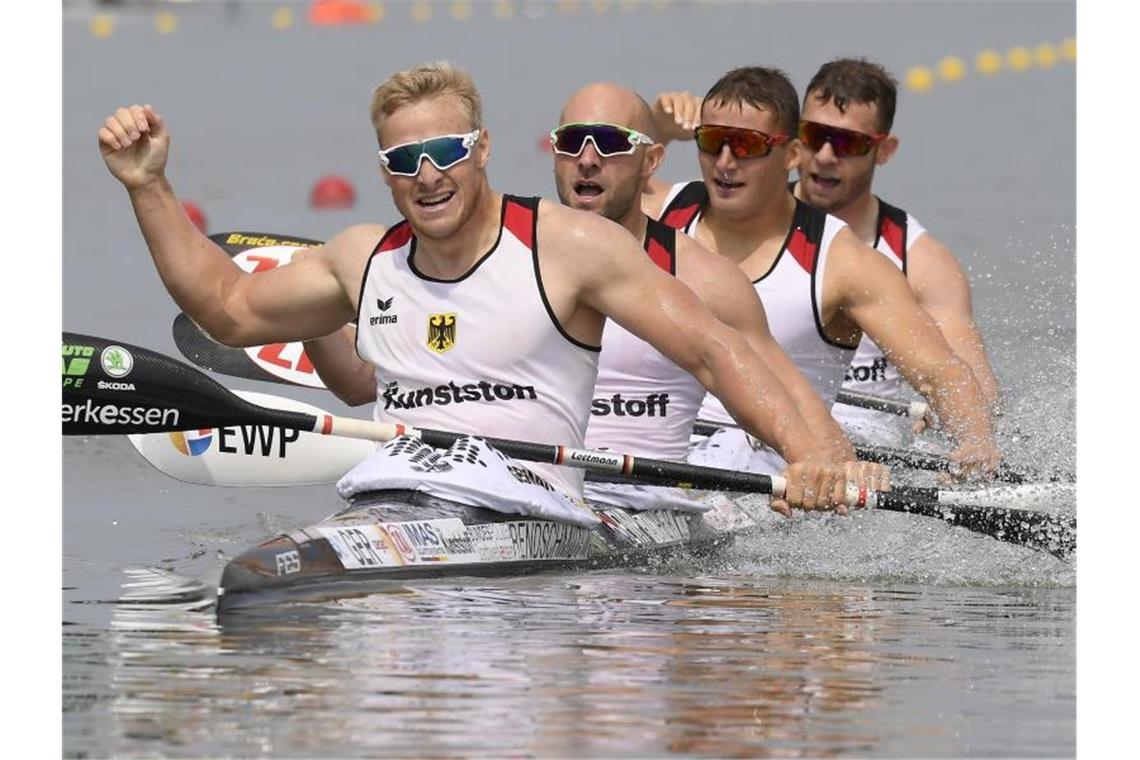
(878, 635)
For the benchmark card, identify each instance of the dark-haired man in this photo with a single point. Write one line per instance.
(822, 288)
(845, 131)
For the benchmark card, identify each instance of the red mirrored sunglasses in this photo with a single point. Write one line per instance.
(744, 143)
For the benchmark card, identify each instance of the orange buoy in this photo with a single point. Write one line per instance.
(334, 12)
(332, 192)
(195, 214)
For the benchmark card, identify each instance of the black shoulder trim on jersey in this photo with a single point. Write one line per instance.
(526, 201)
(538, 281)
(680, 211)
(813, 221)
(664, 236)
(899, 217)
(783, 246)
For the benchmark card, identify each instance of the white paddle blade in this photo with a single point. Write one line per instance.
(253, 455)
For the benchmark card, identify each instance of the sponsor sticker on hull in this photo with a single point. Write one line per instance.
(359, 547)
(529, 540)
(449, 541)
(658, 527)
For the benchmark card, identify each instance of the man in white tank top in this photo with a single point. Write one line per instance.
(583, 269)
(845, 131)
(747, 146)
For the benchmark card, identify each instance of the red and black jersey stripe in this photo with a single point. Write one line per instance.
(891, 227)
(661, 245)
(680, 211)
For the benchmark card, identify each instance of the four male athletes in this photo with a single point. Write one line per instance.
(499, 301)
(483, 312)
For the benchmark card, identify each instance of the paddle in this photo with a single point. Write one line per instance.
(882, 403)
(916, 459)
(253, 455)
(118, 388)
(165, 395)
(1044, 531)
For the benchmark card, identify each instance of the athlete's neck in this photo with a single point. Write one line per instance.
(862, 216)
(739, 237)
(452, 257)
(636, 222)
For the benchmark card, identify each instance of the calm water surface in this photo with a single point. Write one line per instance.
(877, 635)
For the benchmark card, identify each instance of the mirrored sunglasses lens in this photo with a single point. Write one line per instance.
(611, 140)
(446, 151)
(844, 142)
(405, 160)
(813, 135)
(709, 139)
(743, 143)
(569, 140)
(748, 145)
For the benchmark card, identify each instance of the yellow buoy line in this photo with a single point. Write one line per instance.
(988, 63)
(921, 79)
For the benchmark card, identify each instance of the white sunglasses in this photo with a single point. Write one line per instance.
(444, 151)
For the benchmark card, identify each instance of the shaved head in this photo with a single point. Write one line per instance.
(608, 185)
(609, 102)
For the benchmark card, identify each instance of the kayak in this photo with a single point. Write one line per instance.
(395, 536)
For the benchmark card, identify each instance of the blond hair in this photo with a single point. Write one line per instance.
(427, 81)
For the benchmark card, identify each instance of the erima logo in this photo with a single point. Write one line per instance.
(653, 405)
(384, 319)
(443, 395)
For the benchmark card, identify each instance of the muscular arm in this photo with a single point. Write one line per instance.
(310, 299)
(304, 300)
(943, 291)
(350, 378)
(612, 276)
(733, 300)
(864, 291)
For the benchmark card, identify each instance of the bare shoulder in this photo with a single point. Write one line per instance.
(929, 252)
(359, 239)
(856, 271)
(564, 231)
(347, 252)
(934, 271)
(707, 272)
(848, 252)
(718, 282)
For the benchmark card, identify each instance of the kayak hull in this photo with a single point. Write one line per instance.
(396, 536)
